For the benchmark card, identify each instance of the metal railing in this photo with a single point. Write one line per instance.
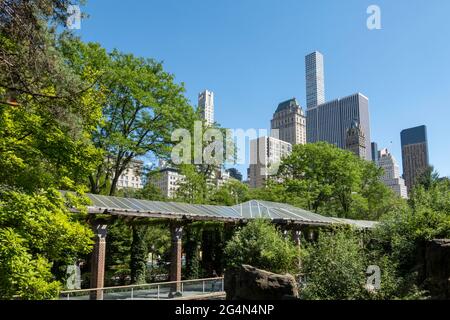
(150, 291)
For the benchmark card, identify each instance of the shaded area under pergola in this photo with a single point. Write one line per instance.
(179, 214)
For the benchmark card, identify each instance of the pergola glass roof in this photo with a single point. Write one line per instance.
(277, 212)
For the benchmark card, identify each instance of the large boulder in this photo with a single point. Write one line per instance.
(249, 283)
(437, 268)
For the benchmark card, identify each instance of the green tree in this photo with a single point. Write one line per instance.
(273, 191)
(194, 188)
(118, 250)
(143, 107)
(402, 231)
(331, 181)
(261, 245)
(47, 112)
(192, 249)
(139, 254)
(207, 150)
(231, 193)
(21, 275)
(37, 231)
(428, 178)
(31, 67)
(46, 142)
(234, 173)
(335, 267)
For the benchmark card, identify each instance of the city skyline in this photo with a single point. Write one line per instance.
(260, 75)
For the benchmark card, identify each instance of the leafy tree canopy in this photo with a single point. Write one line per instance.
(261, 245)
(35, 231)
(325, 179)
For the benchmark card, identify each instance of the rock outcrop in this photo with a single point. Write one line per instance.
(249, 283)
(437, 268)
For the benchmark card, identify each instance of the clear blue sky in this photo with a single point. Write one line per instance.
(251, 54)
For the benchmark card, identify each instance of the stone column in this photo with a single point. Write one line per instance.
(98, 262)
(285, 234)
(176, 232)
(296, 235)
(312, 234)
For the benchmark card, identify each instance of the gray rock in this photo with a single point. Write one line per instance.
(249, 283)
(437, 266)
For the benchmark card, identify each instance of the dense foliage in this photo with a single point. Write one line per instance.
(47, 111)
(335, 268)
(402, 232)
(323, 178)
(36, 231)
(261, 245)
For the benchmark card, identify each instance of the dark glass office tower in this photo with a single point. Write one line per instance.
(414, 154)
(375, 152)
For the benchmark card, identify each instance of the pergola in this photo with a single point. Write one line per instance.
(179, 214)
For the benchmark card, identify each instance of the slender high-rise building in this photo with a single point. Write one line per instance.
(391, 173)
(414, 154)
(290, 121)
(315, 80)
(206, 106)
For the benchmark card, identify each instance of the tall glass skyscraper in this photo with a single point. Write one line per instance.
(315, 79)
(414, 154)
(330, 121)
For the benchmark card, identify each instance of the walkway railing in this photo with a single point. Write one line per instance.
(151, 291)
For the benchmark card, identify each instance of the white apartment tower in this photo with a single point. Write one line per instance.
(315, 80)
(206, 106)
(290, 121)
(391, 176)
(265, 155)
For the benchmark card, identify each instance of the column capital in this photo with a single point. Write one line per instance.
(297, 232)
(177, 232)
(101, 230)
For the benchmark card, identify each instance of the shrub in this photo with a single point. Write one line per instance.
(261, 245)
(335, 267)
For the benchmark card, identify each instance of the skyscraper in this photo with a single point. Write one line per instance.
(391, 173)
(355, 141)
(206, 106)
(265, 154)
(315, 79)
(414, 154)
(290, 121)
(330, 121)
(375, 152)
